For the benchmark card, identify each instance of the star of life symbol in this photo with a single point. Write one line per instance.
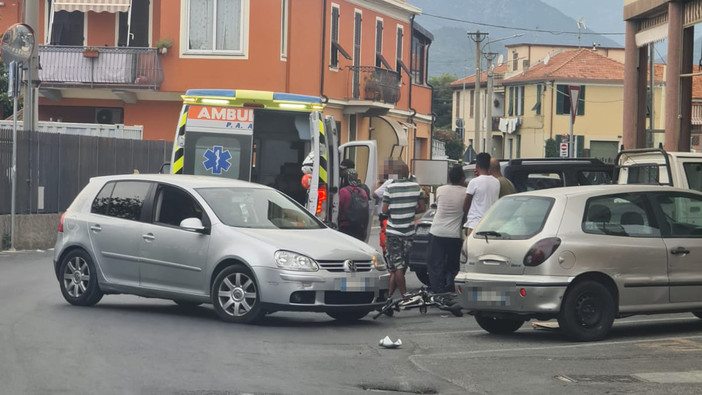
(217, 159)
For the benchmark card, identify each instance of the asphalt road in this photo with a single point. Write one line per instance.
(131, 345)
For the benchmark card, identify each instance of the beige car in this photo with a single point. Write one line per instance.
(584, 256)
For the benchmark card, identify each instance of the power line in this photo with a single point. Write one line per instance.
(554, 32)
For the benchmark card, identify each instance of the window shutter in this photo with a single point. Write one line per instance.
(521, 100)
(581, 101)
(510, 112)
(560, 100)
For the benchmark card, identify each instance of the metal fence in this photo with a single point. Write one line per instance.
(53, 168)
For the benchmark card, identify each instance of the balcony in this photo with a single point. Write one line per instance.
(99, 67)
(378, 89)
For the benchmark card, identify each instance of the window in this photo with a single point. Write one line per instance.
(515, 60)
(516, 100)
(284, 16)
(537, 105)
(335, 46)
(682, 214)
(68, 27)
(418, 61)
(516, 217)
(123, 199)
(693, 172)
(619, 215)
(378, 43)
(398, 53)
(216, 26)
(357, 21)
(174, 205)
(563, 100)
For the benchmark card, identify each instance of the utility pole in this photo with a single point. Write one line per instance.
(478, 38)
(488, 102)
(30, 116)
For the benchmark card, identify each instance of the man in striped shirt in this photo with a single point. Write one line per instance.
(402, 199)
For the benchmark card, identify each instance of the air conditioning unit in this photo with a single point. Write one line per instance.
(109, 116)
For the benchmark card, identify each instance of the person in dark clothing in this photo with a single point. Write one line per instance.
(353, 207)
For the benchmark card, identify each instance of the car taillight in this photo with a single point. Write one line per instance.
(60, 227)
(321, 197)
(541, 251)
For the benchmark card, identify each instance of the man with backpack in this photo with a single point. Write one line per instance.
(354, 209)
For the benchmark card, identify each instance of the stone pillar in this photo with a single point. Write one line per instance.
(688, 41)
(641, 83)
(631, 62)
(672, 77)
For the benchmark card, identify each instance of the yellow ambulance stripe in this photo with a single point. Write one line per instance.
(323, 160)
(177, 166)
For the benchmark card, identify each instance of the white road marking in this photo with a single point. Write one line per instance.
(551, 347)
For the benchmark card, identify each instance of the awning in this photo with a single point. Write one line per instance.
(696, 114)
(112, 6)
(400, 131)
(652, 35)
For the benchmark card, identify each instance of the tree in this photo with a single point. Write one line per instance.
(551, 149)
(452, 143)
(5, 102)
(442, 100)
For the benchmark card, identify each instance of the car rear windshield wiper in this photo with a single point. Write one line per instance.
(487, 233)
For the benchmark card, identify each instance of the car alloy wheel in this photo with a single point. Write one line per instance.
(235, 295)
(78, 279)
(587, 312)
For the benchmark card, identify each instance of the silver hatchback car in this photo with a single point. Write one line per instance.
(246, 248)
(585, 256)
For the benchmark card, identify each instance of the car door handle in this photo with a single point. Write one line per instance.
(95, 228)
(149, 237)
(680, 251)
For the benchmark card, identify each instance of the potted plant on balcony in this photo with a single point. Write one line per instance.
(163, 45)
(91, 52)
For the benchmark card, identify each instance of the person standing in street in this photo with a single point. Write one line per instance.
(445, 231)
(506, 186)
(354, 209)
(402, 199)
(482, 192)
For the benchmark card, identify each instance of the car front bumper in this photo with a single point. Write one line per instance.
(322, 290)
(524, 295)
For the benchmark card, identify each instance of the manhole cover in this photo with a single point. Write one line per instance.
(599, 378)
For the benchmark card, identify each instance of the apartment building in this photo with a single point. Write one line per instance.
(129, 61)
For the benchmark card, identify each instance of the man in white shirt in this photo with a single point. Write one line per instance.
(482, 192)
(445, 245)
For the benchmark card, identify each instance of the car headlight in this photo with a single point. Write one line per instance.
(289, 260)
(378, 262)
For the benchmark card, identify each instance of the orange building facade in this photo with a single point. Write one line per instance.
(366, 59)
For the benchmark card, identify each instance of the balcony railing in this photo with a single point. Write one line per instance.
(374, 83)
(99, 67)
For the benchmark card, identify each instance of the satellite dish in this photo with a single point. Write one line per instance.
(547, 58)
(500, 59)
(17, 43)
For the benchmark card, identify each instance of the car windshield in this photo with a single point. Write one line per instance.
(516, 217)
(257, 208)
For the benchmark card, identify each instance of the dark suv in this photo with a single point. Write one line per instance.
(526, 175)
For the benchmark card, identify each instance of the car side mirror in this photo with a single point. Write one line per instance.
(193, 224)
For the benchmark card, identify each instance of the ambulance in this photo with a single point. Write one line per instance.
(264, 137)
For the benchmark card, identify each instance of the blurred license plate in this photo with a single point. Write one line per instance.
(497, 296)
(423, 230)
(354, 284)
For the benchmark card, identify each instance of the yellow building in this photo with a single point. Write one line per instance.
(537, 105)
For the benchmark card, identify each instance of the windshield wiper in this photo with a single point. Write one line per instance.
(487, 233)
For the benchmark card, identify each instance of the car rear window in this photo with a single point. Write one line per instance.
(517, 217)
(123, 199)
